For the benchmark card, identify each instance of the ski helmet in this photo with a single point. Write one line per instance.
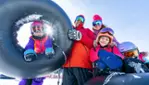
(127, 46)
(37, 24)
(108, 32)
(81, 18)
(129, 49)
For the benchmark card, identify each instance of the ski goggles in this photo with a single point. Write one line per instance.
(130, 54)
(106, 32)
(110, 32)
(98, 22)
(80, 19)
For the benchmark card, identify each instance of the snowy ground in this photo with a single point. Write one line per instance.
(50, 80)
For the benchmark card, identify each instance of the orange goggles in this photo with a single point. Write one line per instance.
(130, 54)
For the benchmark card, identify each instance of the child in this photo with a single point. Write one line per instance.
(39, 42)
(134, 62)
(104, 55)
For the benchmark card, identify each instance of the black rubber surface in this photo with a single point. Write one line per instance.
(11, 55)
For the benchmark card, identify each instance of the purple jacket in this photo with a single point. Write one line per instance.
(39, 46)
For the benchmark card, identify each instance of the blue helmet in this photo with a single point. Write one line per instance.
(127, 46)
(81, 18)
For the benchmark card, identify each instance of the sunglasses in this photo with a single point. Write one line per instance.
(98, 22)
(80, 19)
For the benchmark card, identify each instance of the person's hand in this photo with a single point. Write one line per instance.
(74, 34)
(49, 52)
(29, 57)
(95, 44)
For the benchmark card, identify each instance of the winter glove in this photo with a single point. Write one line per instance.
(29, 55)
(74, 35)
(95, 64)
(49, 52)
(95, 44)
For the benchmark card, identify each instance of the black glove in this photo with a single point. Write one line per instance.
(74, 34)
(49, 52)
(30, 57)
(50, 55)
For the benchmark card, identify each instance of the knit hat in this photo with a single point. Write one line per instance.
(37, 23)
(97, 17)
(80, 16)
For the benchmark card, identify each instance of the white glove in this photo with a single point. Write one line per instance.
(74, 34)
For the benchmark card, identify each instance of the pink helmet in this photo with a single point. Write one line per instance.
(37, 24)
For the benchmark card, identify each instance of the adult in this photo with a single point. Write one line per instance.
(78, 67)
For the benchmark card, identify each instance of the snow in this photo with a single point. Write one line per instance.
(52, 79)
(8, 82)
(136, 76)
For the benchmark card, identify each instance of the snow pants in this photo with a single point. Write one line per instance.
(76, 76)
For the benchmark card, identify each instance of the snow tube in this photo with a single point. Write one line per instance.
(11, 54)
(5, 77)
(120, 79)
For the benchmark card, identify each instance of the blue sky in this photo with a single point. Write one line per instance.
(128, 18)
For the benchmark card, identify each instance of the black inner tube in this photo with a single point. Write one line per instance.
(120, 79)
(11, 53)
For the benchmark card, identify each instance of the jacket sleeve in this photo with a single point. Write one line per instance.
(86, 40)
(117, 52)
(93, 55)
(48, 43)
(30, 44)
(90, 34)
